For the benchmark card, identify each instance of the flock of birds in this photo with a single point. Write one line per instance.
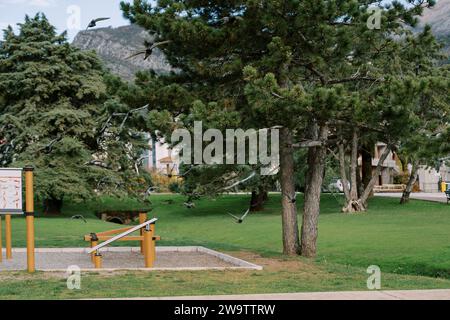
(147, 52)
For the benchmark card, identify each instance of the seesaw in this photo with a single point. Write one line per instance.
(147, 240)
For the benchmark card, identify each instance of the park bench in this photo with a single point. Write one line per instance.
(389, 188)
(447, 193)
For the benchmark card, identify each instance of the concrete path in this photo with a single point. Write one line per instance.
(346, 295)
(435, 197)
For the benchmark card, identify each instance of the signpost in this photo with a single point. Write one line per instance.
(11, 204)
(11, 191)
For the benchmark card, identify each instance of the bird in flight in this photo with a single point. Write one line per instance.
(149, 49)
(291, 199)
(231, 19)
(241, 219)
(170, 175)
(78, 217)
(93, 23)
(151, 190)
(189, 205)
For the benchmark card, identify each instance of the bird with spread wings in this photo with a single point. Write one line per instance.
(94, 22)
(149, 47)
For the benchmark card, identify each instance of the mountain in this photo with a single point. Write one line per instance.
(115, 45)
(439, 19)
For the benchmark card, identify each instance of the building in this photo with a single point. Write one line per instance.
(160, 157)
(429, 178)
(390, 167)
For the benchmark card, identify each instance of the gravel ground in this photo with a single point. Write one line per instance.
(120, 260)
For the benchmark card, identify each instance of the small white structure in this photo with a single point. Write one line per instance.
(160, 157)
(428, 179)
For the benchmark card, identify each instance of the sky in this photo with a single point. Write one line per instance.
(70, 15)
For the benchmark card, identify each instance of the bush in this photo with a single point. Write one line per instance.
(175, 187)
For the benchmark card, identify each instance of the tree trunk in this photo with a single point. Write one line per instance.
(366, 166)
(291, 243)
(354, 167)
(361, 203)
(410, 185)
(342, 168)
(369, 189)
(350, 205)
(359, 182)
(53, 206)
(314, 179)
(258, 199)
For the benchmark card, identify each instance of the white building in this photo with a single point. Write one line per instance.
(160, 157)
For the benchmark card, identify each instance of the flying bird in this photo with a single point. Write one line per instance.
(93, 23)
(151, 190)
(149, 49)
(78, 217)
(291, 199)
(241, 219)
(170, 175)
(231, 19)
(241, 181)
(189, 205)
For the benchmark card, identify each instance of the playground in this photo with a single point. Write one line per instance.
(409, 243)
(142, 257)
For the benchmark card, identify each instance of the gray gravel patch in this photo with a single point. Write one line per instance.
(169, 258)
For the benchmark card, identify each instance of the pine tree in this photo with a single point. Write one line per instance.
(277, 63)
(54, 112)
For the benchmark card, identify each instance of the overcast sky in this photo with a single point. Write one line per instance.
(63, 13)
(70, 15)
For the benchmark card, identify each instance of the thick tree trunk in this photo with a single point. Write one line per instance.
(314, 179)
(410, 185)
(366, 166)
(52, 206)
(258, 199)
(291, 243)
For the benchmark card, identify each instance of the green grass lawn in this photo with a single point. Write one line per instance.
(410, 243)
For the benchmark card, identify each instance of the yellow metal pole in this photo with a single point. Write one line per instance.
(8, 237)
(93, 244)
(1, 244)
(29, 212)
(148, 235)
(142, 219)
(98, 260)
(152, 245)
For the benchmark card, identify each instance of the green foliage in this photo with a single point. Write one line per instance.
(54, 115)
(292, 63)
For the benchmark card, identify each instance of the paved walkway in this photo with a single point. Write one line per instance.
(435, 197)
(346, 295)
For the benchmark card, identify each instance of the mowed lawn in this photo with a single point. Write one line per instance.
(410, 243)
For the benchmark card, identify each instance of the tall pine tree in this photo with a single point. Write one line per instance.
(56, 114)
